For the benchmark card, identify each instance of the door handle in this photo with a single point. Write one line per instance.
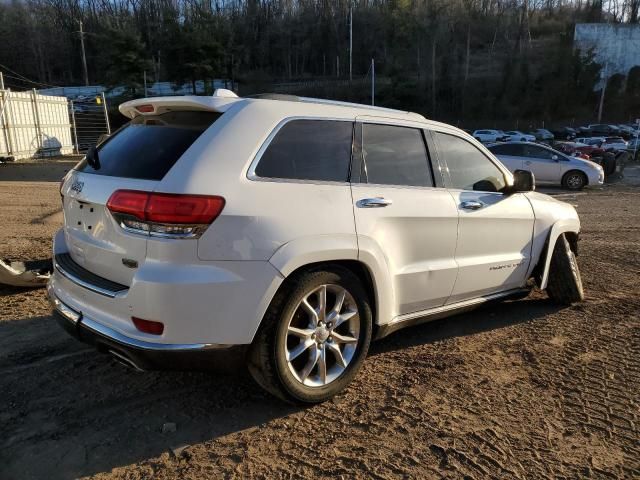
(376, 202)
(528, 162)
(472, 205)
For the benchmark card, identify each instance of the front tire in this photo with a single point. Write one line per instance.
(565, 284)
(314, 336)
(574, 180)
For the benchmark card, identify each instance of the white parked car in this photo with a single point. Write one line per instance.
(593, 141)
(614, 143)
(490, 136)
(518, 136)
(549, 166)
(292, 231)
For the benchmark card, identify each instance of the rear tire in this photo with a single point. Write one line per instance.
(574, 180)
(565, 284)
(304, 357)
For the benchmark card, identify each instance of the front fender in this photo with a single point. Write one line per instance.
(571, 225)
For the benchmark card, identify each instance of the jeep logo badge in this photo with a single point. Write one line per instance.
(77, 186)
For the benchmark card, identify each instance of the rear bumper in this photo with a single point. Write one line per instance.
(212, 302)
(143, 355)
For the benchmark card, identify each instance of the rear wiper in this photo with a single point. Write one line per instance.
(93, 159)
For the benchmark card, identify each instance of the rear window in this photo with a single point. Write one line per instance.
(148, 146)
(309, 150)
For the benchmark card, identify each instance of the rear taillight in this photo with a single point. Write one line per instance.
(148, 326)
(164, 214)
(128, 202)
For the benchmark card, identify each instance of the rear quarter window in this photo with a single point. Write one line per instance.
(149, 145)
(309, 150)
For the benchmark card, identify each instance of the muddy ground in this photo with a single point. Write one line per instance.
(523, 389)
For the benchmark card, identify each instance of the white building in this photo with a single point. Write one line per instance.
(616, 46)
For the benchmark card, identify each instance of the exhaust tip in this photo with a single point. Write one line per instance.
(124, 360)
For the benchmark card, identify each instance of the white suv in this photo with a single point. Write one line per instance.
(488, 136)
(292, 231)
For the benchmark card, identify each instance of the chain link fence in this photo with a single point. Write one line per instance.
(90, 121)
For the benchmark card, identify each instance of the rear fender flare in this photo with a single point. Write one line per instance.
(332, 248)
(314, 249)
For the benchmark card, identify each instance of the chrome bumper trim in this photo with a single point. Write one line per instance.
(77, 318)
(78, 281)
(64, 310)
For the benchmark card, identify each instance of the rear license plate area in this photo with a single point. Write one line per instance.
(82, 216)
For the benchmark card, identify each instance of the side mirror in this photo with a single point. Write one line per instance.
(523, 181)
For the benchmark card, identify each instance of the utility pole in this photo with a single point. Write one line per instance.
(84, 55)
(602, 92)
(350, 42)
(1, 81)
(373, 82)
(145, 84)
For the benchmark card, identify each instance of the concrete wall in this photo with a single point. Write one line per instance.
(616, 46)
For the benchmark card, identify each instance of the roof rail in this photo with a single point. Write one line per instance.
(275, 96)
(322, 101)
(339, 103)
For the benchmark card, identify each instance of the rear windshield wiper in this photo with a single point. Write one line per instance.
(93, 159)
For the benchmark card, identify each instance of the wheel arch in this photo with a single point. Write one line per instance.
(312, 253)
(574, 170)
(571, 229)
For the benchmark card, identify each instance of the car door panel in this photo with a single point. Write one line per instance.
(494, 243)
(538, 160)
(511, 162)
(417, 233)
(495, 230)
(414, 225)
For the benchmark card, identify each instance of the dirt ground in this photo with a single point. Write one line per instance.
(523, 389)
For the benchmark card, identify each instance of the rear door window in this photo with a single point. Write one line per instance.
(513, 149)
(148, 146)
(533, 151)
(309, 150)
(395, 155)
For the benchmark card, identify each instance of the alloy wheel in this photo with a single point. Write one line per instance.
(322, 335)
(574, 181)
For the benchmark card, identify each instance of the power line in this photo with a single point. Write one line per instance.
(27, 81)
(22, 78)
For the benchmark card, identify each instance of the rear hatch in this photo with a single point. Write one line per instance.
(136, 157)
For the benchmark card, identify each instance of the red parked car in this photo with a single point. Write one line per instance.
(579, 149)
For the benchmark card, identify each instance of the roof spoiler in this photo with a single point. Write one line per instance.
(220, 101)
